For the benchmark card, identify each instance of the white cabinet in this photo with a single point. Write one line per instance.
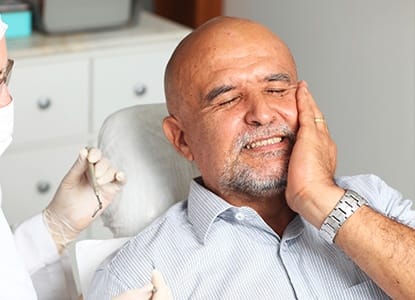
(51, 99)
(130, 78)
(64, 87)
(29, 178)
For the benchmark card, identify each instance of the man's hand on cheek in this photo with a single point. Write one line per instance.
(311, 190)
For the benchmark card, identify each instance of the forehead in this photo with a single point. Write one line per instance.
(241, 65)
(237, 48)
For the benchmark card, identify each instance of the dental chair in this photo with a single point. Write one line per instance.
(157, 177)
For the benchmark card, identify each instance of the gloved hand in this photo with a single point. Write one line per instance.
(156, 290)
(161, 290)
(74, 203)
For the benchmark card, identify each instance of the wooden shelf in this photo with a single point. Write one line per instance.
(191, 13)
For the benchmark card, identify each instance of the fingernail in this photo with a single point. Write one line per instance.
(148, 287)
(83, 153)
(120, 176)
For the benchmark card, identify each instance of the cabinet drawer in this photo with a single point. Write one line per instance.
(127, 80)
(51, 100)
(29, 179)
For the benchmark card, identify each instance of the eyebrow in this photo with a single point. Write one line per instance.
(278, 77)
(215, 92)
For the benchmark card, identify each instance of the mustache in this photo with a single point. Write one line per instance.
(248, 137)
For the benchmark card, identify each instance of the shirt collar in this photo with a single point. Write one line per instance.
(204, 207)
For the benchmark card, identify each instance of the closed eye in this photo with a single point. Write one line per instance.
(229, 101)
(278, 92)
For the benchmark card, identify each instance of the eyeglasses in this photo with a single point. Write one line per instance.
(6, 72)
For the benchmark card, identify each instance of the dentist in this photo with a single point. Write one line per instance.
(39, 242)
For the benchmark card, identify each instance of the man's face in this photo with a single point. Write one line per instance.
(243, 121)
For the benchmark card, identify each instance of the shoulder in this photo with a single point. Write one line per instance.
(134, 262)
(371, 187)
(380, 196)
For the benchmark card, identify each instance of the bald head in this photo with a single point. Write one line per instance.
(211, 46)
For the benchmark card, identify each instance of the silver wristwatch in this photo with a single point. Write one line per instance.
(347, 205)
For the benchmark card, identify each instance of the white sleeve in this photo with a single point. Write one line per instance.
(35, 244)
(3, 28)
(51, 273)
(15, 282)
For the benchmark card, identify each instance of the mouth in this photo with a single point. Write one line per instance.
(264, 142)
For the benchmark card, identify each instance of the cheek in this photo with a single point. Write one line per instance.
(215, 137)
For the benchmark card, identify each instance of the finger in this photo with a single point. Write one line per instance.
(162, 291)
(108, 176)
(308, 110)
(304, 107)
(94, 155)
(120, 177)
(78, 169)
(102, 166)
(106, 173)
(157, 279)
(143, 293)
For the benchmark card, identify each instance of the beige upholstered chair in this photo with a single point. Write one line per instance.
(157, 177)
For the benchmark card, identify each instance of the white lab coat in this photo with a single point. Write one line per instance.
(15, 280)
(30, 253)
(51, 274)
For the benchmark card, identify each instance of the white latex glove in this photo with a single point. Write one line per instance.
(143, 293)
(162, 291)
(156, 290)
(74, 203)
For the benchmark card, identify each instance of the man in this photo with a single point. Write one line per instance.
(264, 221)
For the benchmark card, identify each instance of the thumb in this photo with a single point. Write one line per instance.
(161, 290)
(143, 293)
(78, 168)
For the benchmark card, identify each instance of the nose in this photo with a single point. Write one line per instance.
(259, 112)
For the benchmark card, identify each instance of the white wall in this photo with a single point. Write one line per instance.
(359, 59)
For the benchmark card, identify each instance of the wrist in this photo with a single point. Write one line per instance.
(60, 230)
(348, 204)
(317, 204)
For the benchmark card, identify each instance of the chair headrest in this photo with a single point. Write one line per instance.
(157, 176)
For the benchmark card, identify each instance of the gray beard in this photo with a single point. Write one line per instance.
(240, 177)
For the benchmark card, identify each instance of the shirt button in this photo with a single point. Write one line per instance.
(239, 216)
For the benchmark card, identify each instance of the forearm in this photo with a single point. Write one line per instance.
(382, 248)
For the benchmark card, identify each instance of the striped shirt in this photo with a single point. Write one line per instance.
(208, 249)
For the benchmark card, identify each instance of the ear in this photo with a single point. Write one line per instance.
(173, 131)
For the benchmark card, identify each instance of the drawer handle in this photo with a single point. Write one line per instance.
(43, 187)
(140, 89)
(44, 103)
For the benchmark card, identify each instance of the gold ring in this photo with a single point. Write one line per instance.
(319, 120)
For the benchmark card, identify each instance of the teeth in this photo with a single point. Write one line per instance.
(271, 141)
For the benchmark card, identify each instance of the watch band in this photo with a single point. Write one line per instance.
(347, 206)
